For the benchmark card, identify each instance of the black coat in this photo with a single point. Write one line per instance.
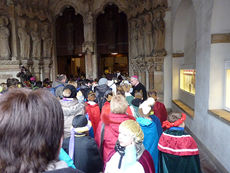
(86, 154)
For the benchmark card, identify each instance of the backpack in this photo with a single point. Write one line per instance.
(53, 89)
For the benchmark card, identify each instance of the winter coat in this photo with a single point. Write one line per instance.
(71, 108)
(111, 131)
(86, 155)
(151, 138)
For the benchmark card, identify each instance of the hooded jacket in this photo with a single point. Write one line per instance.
(71, 108)
(111, 131)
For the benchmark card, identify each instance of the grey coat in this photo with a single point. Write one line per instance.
(71, 109)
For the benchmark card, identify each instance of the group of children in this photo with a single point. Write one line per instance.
(112, 129)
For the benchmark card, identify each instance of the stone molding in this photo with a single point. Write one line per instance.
(177, 55)
(220, 38)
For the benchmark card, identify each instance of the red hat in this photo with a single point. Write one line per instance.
(135, 76)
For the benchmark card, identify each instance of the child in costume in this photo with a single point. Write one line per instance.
(178, 150)
(129, 155)
(93, 110)
(158, 108)
(151, 128)
(82, 148)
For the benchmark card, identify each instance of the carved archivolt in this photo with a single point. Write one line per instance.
(79, 6)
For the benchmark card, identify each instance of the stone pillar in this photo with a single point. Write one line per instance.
(47, 68)
(150, 72)
(14, 38)
(88, 46)
(159, 76)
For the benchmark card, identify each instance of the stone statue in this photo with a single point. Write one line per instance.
(160, 3)
(140, 38)
(88, 27)
(24, 38)
(47, 41)
(148, 34)
(4, 38)
(159, 33)
(36, 41)
(134, 39)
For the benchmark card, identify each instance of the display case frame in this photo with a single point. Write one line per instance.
(187, 80)
(227, 85)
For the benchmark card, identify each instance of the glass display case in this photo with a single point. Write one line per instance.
(227, 89)
(188, 80)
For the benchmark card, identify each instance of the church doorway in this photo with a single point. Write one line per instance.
(112, 41)
(69, 40)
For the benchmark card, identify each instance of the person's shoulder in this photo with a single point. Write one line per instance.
(65, 170)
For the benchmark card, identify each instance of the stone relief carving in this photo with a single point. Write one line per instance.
(159, 33)
(30, 13)
(24, 39)
(4, 38)
(19, 10)
(140, 38)
(148, 34)
(47, 41)
(160, 3)
(36, 41)
(134, 39)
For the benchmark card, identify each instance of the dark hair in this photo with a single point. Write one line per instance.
(61, 77)
(174, 116)
(152, 92)
(12, 82)
(31, 127)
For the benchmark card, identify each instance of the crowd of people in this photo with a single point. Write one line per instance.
(112, 125)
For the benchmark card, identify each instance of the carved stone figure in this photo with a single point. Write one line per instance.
(159, 33)
(24, 39)
(134, 39)
(36, 49)
(140, 38)
(160, 3)
(4, 38)
(47, 41)
(88, 27)
(19, 10)
(148, 34)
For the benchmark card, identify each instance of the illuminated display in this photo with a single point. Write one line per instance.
(188, 80)
(227, 89)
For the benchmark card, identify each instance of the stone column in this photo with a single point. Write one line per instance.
(88, 46)
(47, 67)
(159, 75)
(14, 38)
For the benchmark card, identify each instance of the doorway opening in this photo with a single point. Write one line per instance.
(69, 40)
(112, 41)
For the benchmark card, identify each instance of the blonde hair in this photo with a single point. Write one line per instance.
(66, 92)
(134, 128)
(73, 83)
(118, 104)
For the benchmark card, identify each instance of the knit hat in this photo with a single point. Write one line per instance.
(69, 91)
(80, 124)
(79, 121)
(102, 81)
(145, 107)
(134, 129)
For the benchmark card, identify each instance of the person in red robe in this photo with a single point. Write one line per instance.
(93, 110)
(159, 108)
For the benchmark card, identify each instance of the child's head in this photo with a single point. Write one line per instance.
(130, 133)
(138, 95)
(108, 95)
(175, 120)
(118, 104)
(69, 91)
(80, 124)
(153, 94)
(91, 96)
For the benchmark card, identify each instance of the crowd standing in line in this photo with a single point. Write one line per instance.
(83, 125)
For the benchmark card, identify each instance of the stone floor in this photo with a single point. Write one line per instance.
(207, 165)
